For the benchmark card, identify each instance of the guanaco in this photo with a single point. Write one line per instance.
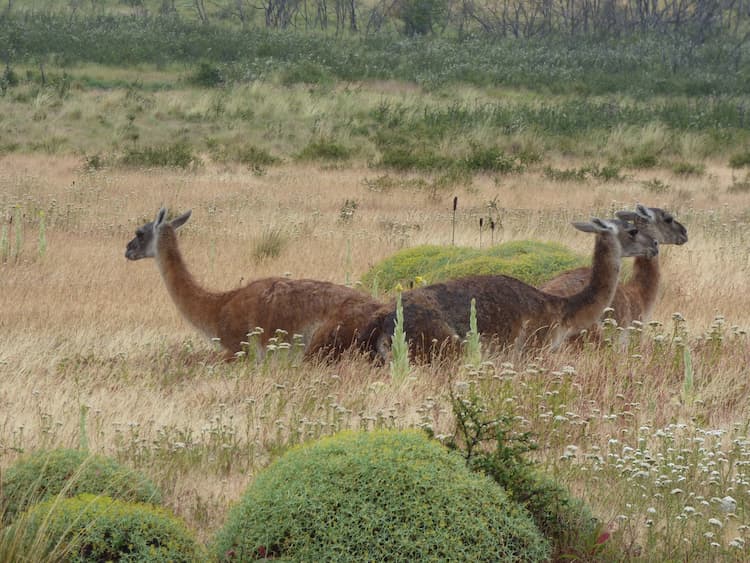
(635, 299)
(509, 311)
(327, 315)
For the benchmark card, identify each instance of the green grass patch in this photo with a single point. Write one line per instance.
(531, 261)
(176, 155)
(325, 148)
(740, 159)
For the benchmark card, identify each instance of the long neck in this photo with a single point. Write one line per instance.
(198, 306)
(643, 287)
(584, 308)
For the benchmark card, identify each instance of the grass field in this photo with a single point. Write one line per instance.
(82, 328)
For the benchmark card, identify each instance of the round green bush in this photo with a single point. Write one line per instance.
(377, 496)
(534, 262)
(47, 473)
(99, 528)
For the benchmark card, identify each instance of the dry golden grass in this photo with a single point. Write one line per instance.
(81, 326)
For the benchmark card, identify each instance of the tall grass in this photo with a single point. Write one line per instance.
(85, 327)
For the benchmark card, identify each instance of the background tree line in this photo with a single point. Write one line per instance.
(696, 19)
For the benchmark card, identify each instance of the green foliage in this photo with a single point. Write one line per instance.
(473, 350)
(8, 79)
(47, 473)
(493, 445)
(421, 16)
(492, 159)
(605, 173)
(207, 75)
(639, 63)
(688, 169)
(531, 261)
(89, 528)
(177, 155)
(642, 159)
(306, 72)
(247, 154)
(325, 149)
(740, 159)
(399, 348)
(566, 175)
(376, 496)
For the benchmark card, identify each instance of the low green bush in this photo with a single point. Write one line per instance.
(377, 496)
(47, 473)
(88, 528)
(493, 445)
(207, 75)
(740, 159)
(176, 155)
(325, 149)
(534, 262)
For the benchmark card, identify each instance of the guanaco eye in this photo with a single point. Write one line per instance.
(668, 220)
(633, 232)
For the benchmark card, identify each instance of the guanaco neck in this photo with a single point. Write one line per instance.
(643, 286)
(584, 308)
(198, 306)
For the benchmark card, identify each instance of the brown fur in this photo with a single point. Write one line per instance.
(635, 299)
(325, 314)
(509, 311)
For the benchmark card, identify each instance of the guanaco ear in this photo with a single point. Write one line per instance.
(596, 225)
(645, 213)
(181, 220)
(603, 225)
(584, 226)
(160, 217)
(626, 215)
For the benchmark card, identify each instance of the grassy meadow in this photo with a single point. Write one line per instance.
(85, 329)
(302, 172)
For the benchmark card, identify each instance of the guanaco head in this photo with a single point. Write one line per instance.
(144, 243)
(632, 241)
(657, 223)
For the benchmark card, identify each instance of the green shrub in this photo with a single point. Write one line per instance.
(325, 149)
(378, 496)
(642, 159)
(178, 155)
(531, 261)
(306, 72)
(48, 473)
(494, 446)
(688, 169)
(567, 174)
(90, 528)
(740, 159)
(207, 75)
(492, 159)
(420, 16)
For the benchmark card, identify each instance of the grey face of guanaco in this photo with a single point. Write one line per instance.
(632, 241)
(143, 245)
(657, 223)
